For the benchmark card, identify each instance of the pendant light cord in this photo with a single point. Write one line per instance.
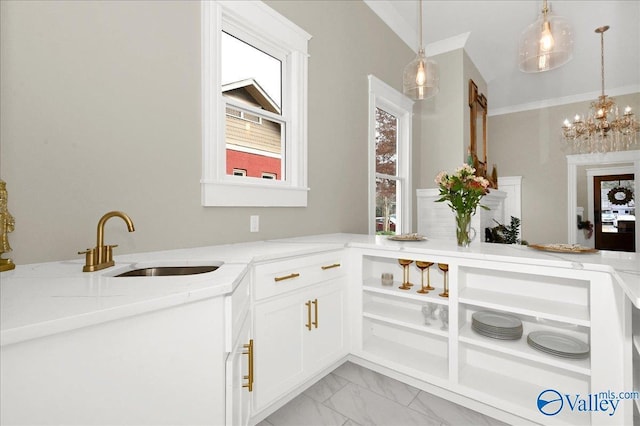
(421, 25)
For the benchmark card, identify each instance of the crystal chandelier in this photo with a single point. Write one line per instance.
(546, 44)
(420, 77)
(604, 129)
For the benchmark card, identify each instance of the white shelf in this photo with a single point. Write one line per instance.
(404, 357)
(516, 396)
(521, 349)
(541, 308)
(408, 318)
(373, 285)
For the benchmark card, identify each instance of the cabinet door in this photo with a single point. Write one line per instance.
(279, 327)
(238, 399)
(326, 342)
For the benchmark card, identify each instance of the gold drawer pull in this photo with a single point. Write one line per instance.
(286, 277)
(249, 378)
(315, 302)
(335, 265)
(308, 305)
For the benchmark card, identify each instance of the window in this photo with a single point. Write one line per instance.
(254, 80)
(389, 158)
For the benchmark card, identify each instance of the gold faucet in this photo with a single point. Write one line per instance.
(101, 256)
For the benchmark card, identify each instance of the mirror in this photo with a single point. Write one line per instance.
(478, 143)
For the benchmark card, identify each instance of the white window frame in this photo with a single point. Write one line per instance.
(264, 28)
(385, 97)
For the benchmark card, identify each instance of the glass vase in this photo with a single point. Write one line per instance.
(464, 230)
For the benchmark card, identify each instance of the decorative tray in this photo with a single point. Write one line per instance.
(408, 237)
(563, 248)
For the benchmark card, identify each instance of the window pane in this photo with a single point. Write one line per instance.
(254, 144)
(386, 142)
(386, 196)
(250, 74)
(253, 78)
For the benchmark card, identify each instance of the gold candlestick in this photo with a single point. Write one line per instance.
(7, 225)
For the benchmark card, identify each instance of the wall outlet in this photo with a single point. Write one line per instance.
(254, 224)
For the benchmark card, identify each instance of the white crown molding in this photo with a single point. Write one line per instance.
(584, 97)
(447, 45)
(395, 21)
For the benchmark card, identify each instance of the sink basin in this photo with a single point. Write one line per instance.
(163, 271)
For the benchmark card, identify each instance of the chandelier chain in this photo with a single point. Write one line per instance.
(602, 60)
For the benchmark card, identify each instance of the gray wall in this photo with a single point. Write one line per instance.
(528, 144)
(444, 132)
(100, 110)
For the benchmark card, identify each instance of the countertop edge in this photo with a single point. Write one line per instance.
(629, 281)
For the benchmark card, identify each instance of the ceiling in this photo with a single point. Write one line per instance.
(489, 32)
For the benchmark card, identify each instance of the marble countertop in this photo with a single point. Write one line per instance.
(46, 298)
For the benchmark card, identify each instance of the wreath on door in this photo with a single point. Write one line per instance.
(620, 196)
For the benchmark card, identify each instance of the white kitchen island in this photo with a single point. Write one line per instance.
(88, 348)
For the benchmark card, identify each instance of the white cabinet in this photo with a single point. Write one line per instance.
(239, 379)
(158, 368)
(636, 363)
(301, 331)
(239, 364)
(507, 376)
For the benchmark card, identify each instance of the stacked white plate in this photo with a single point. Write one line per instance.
(496, 325)
(558, 344)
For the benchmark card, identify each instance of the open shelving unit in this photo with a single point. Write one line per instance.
(508, 375)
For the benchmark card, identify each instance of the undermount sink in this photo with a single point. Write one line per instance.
(163, 271)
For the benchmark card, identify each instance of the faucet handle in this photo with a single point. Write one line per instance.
(108, 252)
(90, 257)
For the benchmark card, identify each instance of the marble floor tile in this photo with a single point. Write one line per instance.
(449, 413)
(302, 410)
(368, 408)
(382, 385)
(326, 387)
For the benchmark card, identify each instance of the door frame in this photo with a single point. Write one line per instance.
(573, 161)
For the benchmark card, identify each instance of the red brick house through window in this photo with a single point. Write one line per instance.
(253, 142)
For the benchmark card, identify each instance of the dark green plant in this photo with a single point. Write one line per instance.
(504, 234)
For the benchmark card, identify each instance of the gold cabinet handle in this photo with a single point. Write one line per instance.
(335, 265)
(249, 377)
(315, 303)
(286, 277)
(308, 305)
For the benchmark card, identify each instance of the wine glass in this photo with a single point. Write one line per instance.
(406, 285)
(424, 265)
(443, 313)
(427, 313)
(444, 268)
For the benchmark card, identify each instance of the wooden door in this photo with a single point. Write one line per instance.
(614, 212)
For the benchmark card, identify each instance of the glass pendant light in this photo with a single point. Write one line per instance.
(546, 44)
(420, 77)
